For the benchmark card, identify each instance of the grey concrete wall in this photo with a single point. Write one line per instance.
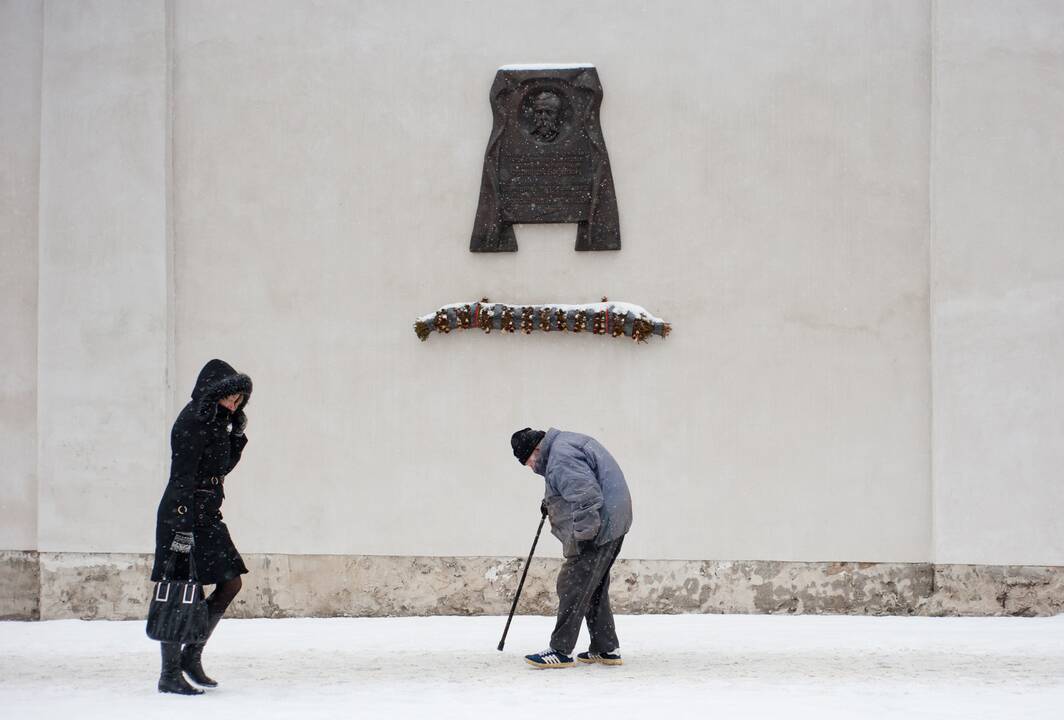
(115, 586)
(20, 123)
(103, 295)
(998, 282)
(20, 585)
(771, 168)
(848, 210)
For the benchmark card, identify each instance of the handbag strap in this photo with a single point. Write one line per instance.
(192, 569)
(168, 569)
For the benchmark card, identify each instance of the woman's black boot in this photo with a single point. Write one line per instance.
(170, 679)
(192, 654)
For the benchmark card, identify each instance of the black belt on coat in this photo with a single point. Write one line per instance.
(215, 481)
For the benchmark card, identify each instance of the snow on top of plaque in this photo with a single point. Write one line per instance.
(546, 66)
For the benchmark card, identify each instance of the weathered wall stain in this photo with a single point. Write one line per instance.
(20, 584)
(116, 586)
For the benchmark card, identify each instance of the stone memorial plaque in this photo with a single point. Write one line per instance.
(546, 160)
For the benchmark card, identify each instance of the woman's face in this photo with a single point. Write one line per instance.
(231, 402)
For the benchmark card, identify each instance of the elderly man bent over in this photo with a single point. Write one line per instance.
(590, 511)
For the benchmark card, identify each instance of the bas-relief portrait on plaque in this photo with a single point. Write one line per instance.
(546, 160)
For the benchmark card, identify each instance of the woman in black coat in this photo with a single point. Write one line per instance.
(206, 443)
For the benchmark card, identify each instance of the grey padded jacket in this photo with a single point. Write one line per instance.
(587, 497)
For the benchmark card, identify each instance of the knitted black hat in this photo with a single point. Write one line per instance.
(524, 442)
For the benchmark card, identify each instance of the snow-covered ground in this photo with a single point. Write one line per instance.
(687, 666)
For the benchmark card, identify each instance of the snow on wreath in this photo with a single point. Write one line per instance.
(616, 319)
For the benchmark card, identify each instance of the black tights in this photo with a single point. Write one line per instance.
(223, 594)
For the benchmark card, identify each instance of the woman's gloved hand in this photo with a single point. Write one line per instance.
(240, 422)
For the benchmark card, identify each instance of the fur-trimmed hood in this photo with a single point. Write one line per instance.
(216, 380)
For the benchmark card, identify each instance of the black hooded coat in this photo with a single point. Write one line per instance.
(203, 451)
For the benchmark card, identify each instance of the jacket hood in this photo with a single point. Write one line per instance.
(544, 451)
(216, 380)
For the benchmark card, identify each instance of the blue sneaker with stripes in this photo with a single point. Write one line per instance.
(606, 658)
(549, 659)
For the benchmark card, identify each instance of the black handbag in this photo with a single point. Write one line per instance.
(177, 611)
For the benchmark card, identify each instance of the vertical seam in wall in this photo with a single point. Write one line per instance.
(37, 326)
(931, 143)
(171, 253)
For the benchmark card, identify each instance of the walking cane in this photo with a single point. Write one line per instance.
(522, 583)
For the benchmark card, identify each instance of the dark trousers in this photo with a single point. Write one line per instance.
(584, 594)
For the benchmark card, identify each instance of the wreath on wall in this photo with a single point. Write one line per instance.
(613, 319)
